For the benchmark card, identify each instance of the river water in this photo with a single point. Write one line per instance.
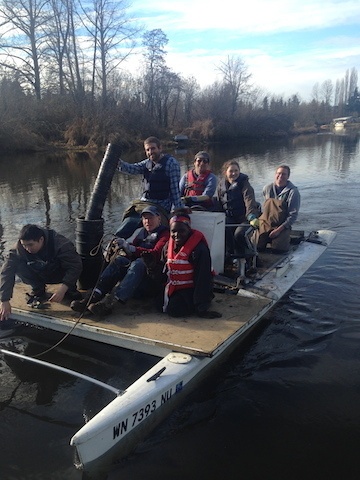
(285, 406)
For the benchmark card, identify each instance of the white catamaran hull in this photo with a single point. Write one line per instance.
(121, 424)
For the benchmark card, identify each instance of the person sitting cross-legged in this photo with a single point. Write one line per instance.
(130, 269)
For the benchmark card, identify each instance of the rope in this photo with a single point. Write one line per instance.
(96, 250)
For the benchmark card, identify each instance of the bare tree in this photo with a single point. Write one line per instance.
(236, 80)
(112, 34)
(58, 43)
(353, 81)
(154, 42)
(190, 89)
(327, 91)
(315, 92)
(22, 45)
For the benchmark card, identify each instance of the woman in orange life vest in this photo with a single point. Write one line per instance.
(198, 186)
(189, 287)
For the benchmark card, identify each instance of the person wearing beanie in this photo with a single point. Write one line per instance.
(198, 185)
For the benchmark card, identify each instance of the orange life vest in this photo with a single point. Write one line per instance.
(195, 185)
(180, 270)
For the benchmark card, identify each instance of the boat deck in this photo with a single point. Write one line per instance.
(137, 325)
(140, 327)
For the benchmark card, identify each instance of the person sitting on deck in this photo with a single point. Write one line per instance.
(189, 285)
(129, 270)
(41, 256)
(161, 177)
(197, 186)
(280, 211)
(235, 196)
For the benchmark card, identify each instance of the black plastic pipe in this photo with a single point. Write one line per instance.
(90, 229)
(103, 182)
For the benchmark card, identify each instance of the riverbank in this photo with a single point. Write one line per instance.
(22, 144)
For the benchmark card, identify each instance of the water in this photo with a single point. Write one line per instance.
(284, 406)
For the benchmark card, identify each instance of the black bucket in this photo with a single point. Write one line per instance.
(88, 236)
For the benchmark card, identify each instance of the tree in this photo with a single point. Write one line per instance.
(111, 33)
(154, 42)
(354, 102)
(327, 91)
(58, 43)
(315, 92)
(235, 80)
(26, 30)
(353, 81)
(190, 88)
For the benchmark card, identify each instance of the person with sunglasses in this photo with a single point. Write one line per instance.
(198, 185)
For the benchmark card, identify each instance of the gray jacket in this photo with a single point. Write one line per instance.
(290, 194)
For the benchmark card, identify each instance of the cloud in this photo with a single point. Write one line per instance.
(288, 45)
(257, 16)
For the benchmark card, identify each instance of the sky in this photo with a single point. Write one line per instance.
(287, 45)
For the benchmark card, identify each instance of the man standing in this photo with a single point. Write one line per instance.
(197, 186)
(40, 257)
(161, 177)
(280, 211)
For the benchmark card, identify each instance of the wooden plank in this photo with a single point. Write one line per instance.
(139, 319)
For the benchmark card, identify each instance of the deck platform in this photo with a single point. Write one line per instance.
(138, 326)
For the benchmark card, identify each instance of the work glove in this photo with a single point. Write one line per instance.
(119, 241)
(255, 223)
(126, 246)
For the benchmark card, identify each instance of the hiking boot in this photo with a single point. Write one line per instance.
(73, 295)
(101, 308)
(81, 305)
(37, 295)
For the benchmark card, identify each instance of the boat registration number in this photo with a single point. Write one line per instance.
(139, 415)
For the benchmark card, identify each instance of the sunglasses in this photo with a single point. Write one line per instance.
(204, 160)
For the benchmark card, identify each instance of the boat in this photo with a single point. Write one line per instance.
(341, 122)
(187, 348)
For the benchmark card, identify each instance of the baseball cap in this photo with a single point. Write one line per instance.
(152, 210)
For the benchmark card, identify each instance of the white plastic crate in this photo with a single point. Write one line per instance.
(212, 225)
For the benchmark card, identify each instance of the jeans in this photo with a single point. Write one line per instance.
(130, 274)
(235, 240)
